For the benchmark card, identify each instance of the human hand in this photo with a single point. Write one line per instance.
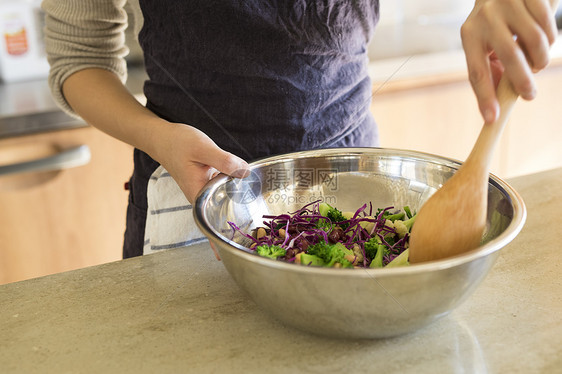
(511, 37)
(192, 158)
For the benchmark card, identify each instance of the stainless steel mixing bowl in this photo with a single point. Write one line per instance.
(350, 303)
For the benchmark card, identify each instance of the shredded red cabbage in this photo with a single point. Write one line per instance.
(298, 230)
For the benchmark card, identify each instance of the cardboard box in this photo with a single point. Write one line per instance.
(22, 47)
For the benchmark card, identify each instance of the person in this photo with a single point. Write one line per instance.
(233, 81)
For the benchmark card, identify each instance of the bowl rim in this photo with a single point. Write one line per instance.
(512, 230)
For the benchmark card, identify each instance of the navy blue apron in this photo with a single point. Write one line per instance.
(260, 77)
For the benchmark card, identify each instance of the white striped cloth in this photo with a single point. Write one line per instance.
(169, 220)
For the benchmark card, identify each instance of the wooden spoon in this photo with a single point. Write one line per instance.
(453, 220)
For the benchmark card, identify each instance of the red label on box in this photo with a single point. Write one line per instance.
(16, 43)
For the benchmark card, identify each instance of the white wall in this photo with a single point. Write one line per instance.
(416, 27)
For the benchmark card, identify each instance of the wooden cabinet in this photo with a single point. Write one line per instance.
(440, 115)
(55, 221)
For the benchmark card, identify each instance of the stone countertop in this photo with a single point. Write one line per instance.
(179, 311)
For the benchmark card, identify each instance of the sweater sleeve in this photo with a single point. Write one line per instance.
(82, 34)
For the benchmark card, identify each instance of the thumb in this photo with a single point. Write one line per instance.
(223, 161)
(194, 175)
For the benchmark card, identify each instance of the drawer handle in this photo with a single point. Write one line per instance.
(66, 159)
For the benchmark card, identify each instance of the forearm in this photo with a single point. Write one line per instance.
(99, 97)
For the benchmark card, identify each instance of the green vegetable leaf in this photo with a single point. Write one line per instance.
(272, 251)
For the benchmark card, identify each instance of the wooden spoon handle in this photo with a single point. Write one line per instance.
(490, 134)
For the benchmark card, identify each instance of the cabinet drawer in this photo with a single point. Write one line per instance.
(67, 214)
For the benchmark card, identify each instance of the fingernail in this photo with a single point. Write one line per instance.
(489, 115)
(242, 171)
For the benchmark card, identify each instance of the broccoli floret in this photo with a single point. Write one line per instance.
(371, 247)
(331, 254)
(273, 251)
(386, 214)
(324, 224)
(324, 208)
(394, 217)
(390, 231)
(404, 227)
(320, 249)
(379, 211)
(408, 212)
(389, 239)
(338, 253)
(377, 260)
(309, 260)
(334, 214)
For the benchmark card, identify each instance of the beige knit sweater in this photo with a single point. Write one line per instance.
(83, 34)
